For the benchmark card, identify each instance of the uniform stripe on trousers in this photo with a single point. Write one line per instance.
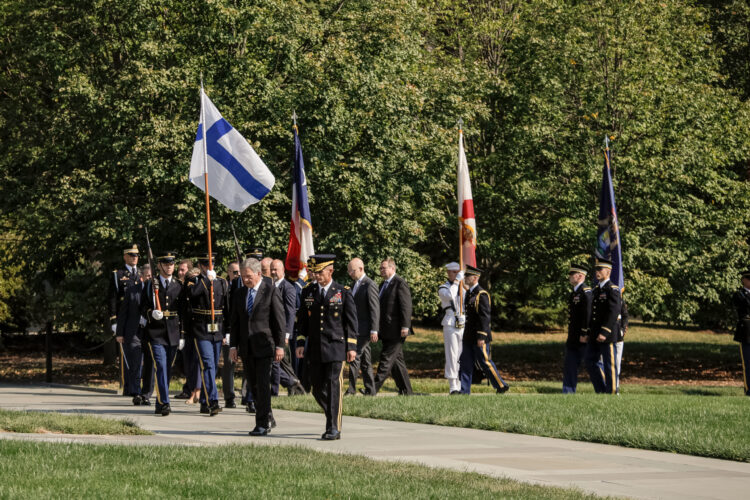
(489, 365)
(744, 368)
(200, 361)
(341, 396)
(156, 385)
(613, 368)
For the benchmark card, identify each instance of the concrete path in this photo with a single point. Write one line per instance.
(596, 468)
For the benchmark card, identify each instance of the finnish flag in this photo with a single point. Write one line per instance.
(237, 177)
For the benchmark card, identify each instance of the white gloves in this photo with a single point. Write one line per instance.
(142, 321)
(157, 314)
(460, 320)
(181, 344)
(226, 339)
(114, 328)
(460, 276)
(211, 274)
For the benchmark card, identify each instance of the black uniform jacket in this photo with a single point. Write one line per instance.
(129, 316)
(119, 281)
(259, 334)
(477, 307)
(395, 309)
(168, 330)
(605, 312)
(579, 315)
(329, 325)
(198, 296)
(741, 301)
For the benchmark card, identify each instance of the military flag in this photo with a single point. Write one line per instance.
(467, 223)
(300, 231)
(608, 234)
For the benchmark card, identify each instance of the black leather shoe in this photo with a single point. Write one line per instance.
(182, 395)
(296, 390)
(251, 407)
(214, 409)
(137, 401)
(332, 435)
(271, 423)
(365, 392)
(230, 404)
(157, 409)
(145, 401)
(350, 392)
(259, 431)
(503, 389)
(205, 409)
(165, 410)
(455, 393)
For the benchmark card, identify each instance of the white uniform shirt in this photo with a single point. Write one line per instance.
(448, 292)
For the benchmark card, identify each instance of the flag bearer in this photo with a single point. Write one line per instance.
(603, 330)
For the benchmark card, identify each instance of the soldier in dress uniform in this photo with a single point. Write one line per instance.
(477, 335)
(328, 322)
(453, 324)
(603, 330)
(579, 315)
(207, 334)
(163, 326)
(122, 279)
(741, 301)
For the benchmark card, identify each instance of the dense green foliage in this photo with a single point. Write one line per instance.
(100, 107)
(34, 470)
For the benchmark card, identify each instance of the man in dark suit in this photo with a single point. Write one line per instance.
(579, 315)
(328, 324)
(365, 293)
(477, 335)
(282, 372)
(227, 369)
(129, 335)
(257, 327)
(741, 301)
(395, 325)
(163, 329)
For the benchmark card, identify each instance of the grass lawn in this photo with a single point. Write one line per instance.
(709, 426)
(42, 470)
(43, 422)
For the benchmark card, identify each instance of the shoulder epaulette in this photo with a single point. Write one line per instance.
(346, 287)
(587, 289)
(480, 294)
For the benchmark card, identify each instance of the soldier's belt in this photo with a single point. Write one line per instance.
(206, 312)
(170, 314)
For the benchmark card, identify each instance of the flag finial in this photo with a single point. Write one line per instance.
(294, 117)
(606, 142)
(460, 124)
(201, 80)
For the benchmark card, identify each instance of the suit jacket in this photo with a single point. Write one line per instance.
(129, 315)
(395, 308)
(605, 312)
(288, 292)
(579, 315)
(259, 334)
(198, 296)
(119, 281)
(368, 307)
(328, 326)
(168, 330)
(741, 301)
(478, 316)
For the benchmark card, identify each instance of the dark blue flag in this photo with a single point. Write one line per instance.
(608, 235)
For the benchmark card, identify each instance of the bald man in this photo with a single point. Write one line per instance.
(282, 372)
(365, 293)
(265, 267)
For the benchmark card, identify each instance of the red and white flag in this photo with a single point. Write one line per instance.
(467, 223)
(300, 231)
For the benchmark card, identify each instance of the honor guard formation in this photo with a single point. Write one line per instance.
(299, 333)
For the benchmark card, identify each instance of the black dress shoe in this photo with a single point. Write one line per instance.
(454, 393)
(365, 392)
(259, 431)
(205, 409)
(182, 395)
(251, 407)
(157, 409)
(350, 392)
(296, 390)
(503, 389)
(230, 404)
(243, 402)
(145, 401)
(271, 423)
(332, 435)
(214, 409)
(137, 400)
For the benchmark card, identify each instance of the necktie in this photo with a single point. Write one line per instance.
(356, 287)
(382, 289)
(250, 301)
(322, 294)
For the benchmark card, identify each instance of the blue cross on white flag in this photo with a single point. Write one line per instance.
(237, 177)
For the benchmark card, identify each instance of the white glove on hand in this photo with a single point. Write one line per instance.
(142, 321)
(460, 320)
(211, 274)
(226, 339)
(460, 276)
(181, 344)
(114, 328)
(157, 314)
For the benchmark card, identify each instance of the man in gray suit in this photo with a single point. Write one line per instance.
(365, 293)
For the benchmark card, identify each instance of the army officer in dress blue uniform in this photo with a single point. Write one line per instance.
(163, 329)
(477, 335)
(741, 301)
(603, 330)
(327, 319)
(579, 315)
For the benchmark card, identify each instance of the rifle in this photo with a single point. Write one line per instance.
(237, 247)
(156, 313)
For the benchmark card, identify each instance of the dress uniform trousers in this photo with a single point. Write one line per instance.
(745, 357)
(208, 358)
(453, 339)
(574, 356)
(162, 356)
(618, 362)
(472, 353)
(191, 366)
(601, 365)
(147, 372)
(363, 362)
(134, 360)
(327, 388)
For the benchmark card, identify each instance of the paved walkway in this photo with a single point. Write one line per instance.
(597, 468)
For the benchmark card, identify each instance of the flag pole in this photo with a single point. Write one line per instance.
(212, 326)
(460, 226)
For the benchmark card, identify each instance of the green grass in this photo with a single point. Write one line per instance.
(703, 426)
(42, 422)
(41, 470)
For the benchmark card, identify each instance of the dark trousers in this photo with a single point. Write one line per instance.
(392, 363)
(602, 367)
(282, 374)
(362, 362)
(471, 353)
(574, 356)
(132, 364)
(147, 373)
(327, 381)
(190, 367)
(258, 372)
(227, 375)
(162, 356)
(745, 357)
(208, 360)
